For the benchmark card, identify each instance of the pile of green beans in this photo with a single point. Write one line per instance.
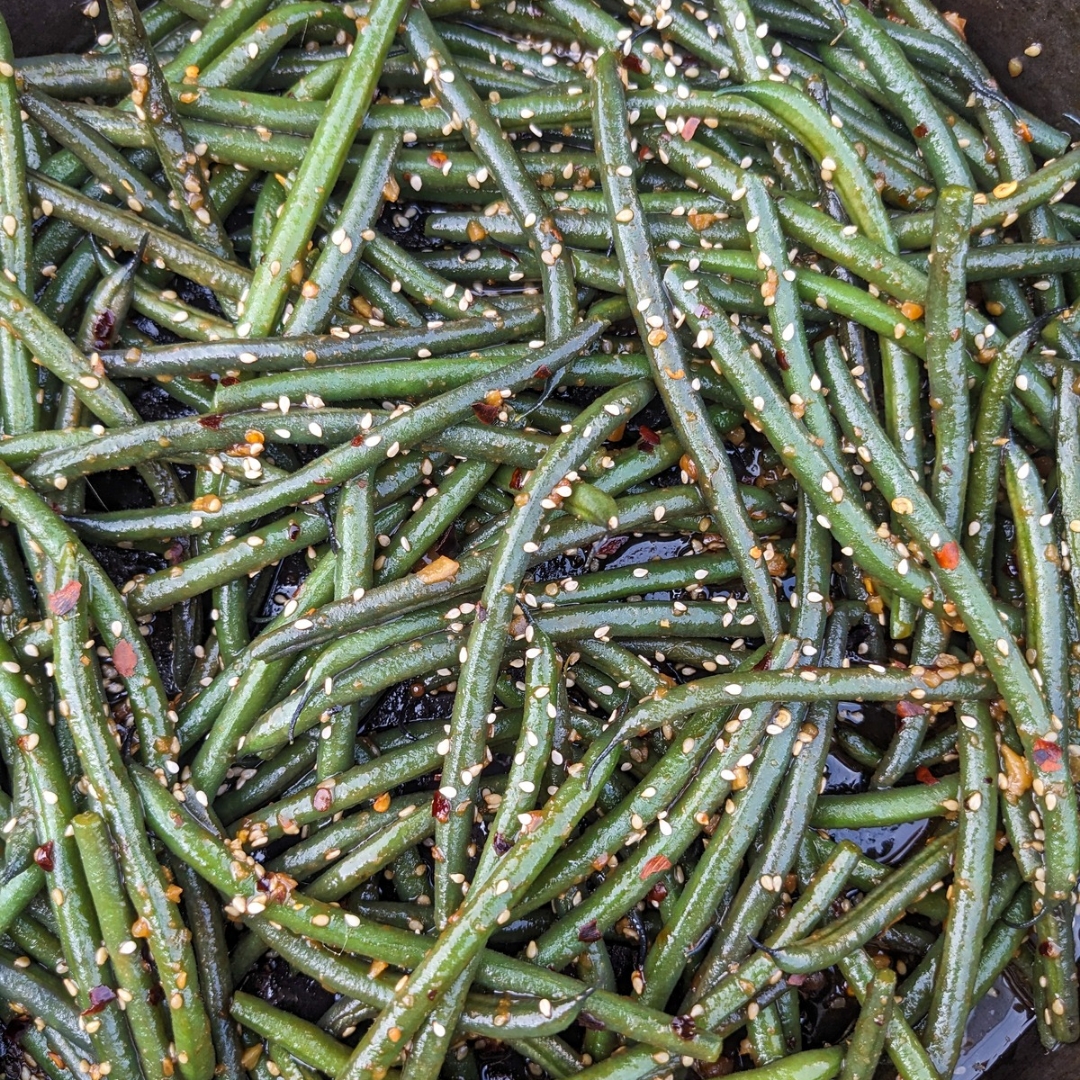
(545, 526)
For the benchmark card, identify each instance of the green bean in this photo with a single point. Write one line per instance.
(318, 172)
(70, 896)
(794, 804)
(101, 758)
(147, 696)
(486, 641)
(1029, 709)
(665, 354)
(306, 1041)
(728, 844)
(868, 1038)
(889, 807)
(853, 930)
(848, 520)
(950, 404)
(980, 506)
(399, 432)
(127, 230)
(1045, 633)
(502, 973)
(153, 105)
(107, 164)
(543, 668)
(18, 408)
(339, 257)
(969, 896)
(134, 982)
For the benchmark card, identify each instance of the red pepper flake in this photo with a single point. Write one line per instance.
(690, 127)
(211, 421)
(612, 546)
(485, 413)
(229, 380)
(796, 980)
(440, 808)
(323, 799)
(43, 856)
(684, 1026)
(124, 659)
(100, 996)
(658, 893)
(589, 932)
(1047, 755)
(948, 555)
(906, 709)
(102, 329)
(437, 159)
(956, 21)
(542, 372)
(63, 601)
(647, 439)
(782, 360)
(656, 865)
(632, 63)
(925, 776)
(921, 131)
(517, 478)
(1023, 131)
(278, 887)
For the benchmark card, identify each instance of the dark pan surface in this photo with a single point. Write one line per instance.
(1049, 85)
